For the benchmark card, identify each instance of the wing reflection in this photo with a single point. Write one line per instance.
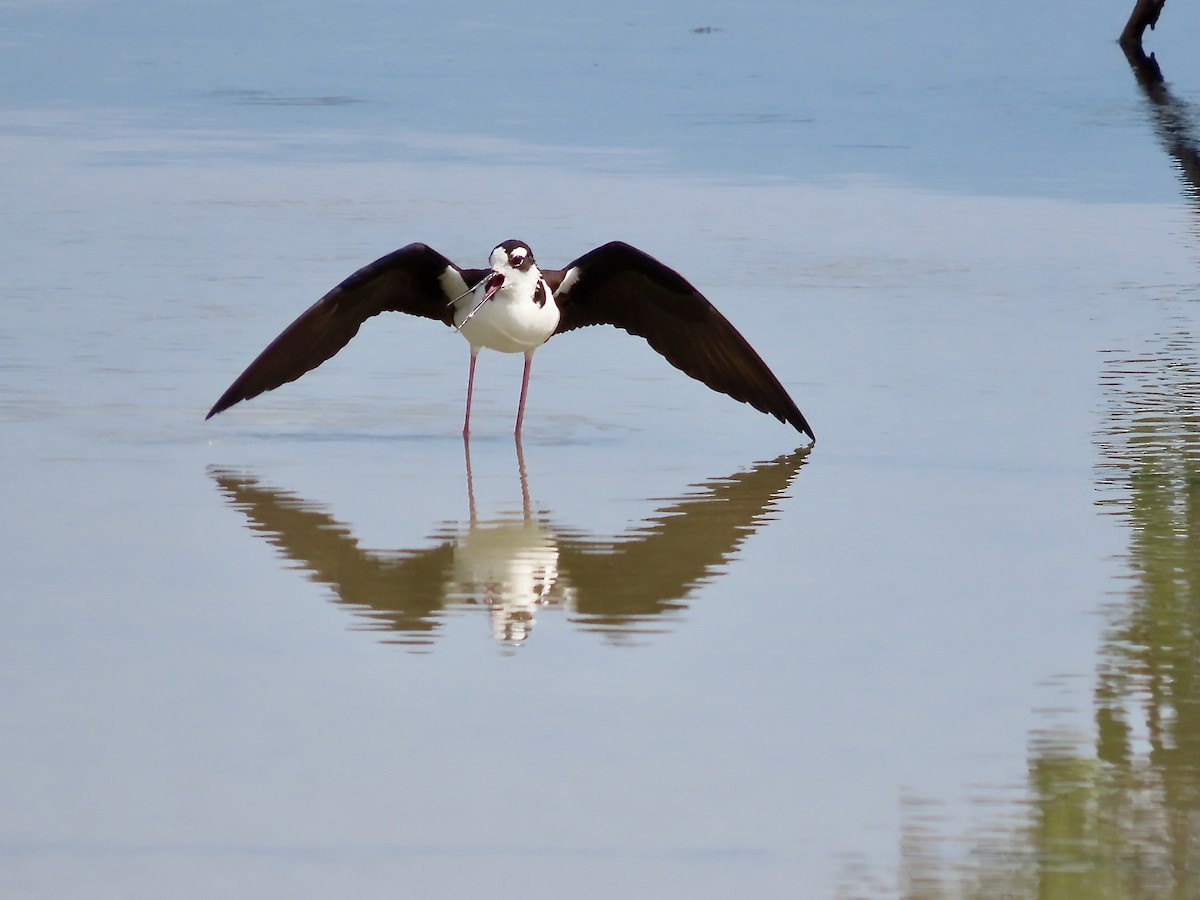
(514, 565)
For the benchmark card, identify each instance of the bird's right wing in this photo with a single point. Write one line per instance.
(415, 279)
(400, 591)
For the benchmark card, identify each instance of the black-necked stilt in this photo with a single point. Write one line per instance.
(515, 307)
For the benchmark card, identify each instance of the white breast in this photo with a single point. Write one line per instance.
(512, 567)
(511, 322)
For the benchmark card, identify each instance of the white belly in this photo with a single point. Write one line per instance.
(510, 322)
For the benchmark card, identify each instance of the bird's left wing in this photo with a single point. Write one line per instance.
(415, 279)
(617, 284)
(657, 565)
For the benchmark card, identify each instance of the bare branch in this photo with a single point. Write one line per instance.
(1145, 13)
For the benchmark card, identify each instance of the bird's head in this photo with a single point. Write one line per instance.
(510, 261)
(512, 256)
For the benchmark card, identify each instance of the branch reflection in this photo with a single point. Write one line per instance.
(1174, 121)
(1118, 818)
(516, 565)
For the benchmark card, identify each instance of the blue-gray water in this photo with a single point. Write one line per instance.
(951, 651)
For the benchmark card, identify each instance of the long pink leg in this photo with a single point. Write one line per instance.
(524, 391)
(470, 391)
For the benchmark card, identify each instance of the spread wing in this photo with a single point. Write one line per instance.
(617, 284)
(657, 565)
(404, 591)
(415, 279)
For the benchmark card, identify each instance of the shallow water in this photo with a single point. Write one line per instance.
(310, 647)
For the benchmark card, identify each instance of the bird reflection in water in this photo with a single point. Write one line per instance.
(509, 565)
(514, 565)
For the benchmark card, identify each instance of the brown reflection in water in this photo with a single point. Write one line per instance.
(516, 565)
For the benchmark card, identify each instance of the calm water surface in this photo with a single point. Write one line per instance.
(317, 647)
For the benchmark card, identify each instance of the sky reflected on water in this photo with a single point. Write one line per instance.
(948, 650)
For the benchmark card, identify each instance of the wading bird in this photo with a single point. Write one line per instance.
(515, 307)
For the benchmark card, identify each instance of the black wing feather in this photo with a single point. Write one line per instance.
(617, 284)
(406, 280)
